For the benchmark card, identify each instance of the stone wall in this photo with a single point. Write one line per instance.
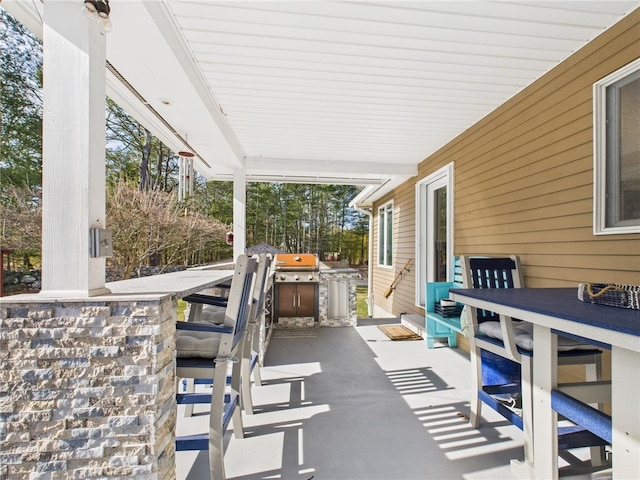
(87, 390)
(15, 281)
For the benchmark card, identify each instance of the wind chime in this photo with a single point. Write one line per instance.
(186, 174)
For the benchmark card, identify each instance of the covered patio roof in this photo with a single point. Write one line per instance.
(331, 92)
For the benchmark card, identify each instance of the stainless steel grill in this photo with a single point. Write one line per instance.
(295, 285)
(296, 268)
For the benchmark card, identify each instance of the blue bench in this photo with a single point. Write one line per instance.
(436, 325)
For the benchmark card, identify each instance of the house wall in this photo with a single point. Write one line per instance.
(524, 182)
(404, 223)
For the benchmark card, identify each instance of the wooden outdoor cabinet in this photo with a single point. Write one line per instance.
(296, 299)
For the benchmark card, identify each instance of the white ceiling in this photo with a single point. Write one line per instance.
(342, 92)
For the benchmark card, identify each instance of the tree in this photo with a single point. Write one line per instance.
(21, 222)
(20, 107)
(20, 139)
(153, 222)
(305, 218)
(134, 154)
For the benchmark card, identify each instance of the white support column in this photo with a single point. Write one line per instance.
(73, 150)
(239, 212)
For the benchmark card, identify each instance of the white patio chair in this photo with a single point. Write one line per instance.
(212, 351)
(210, 309)
(502, 359)
(251, 348)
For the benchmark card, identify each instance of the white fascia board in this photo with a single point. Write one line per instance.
(367, 197)
(28, 14)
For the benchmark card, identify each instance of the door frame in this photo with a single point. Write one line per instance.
(444, 177)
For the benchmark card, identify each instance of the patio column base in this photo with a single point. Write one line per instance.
(87, 387)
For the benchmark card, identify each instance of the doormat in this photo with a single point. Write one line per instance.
(399, 332)
(294, 333)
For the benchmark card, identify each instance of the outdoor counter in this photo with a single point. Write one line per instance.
(87, 387)
(179, 284)
(558, 310)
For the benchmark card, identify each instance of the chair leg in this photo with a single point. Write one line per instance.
(257, 375)
(255, 348)
(245, 375)
(216, 455)
(245, 370)
(526, 389)
(190, 387)
(593, 372)
(236, 388)
(216, 427)
(475, 410)
(238, 424)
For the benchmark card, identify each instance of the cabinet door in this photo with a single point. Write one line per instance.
(306, 300)
(287, 300)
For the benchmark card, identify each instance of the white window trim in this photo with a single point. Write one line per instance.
(600, 152)
(421, 233)
(380, 226)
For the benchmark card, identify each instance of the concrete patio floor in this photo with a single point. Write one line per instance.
(349, 403)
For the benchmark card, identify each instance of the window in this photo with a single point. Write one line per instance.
(385, 235)
(617, 152)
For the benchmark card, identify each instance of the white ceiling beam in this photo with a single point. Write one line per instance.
(338, 179)
(323, 167)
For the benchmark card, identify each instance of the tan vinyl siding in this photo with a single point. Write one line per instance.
(524, 181)
(403, 250)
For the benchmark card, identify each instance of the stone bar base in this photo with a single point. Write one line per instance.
(347, 317)
(87, 388)
(337, 310)
(296, 322)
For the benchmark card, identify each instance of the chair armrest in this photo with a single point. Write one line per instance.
(206, 299)
(203, 327)
(509, 339)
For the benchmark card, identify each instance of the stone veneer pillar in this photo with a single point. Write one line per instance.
(349, 277)
(87, 389)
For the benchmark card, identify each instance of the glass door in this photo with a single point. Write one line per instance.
(437, 232)
(434, 230)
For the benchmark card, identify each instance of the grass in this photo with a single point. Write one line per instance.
(362, 311)
(182, 305)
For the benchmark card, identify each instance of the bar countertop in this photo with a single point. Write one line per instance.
(154, 287)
